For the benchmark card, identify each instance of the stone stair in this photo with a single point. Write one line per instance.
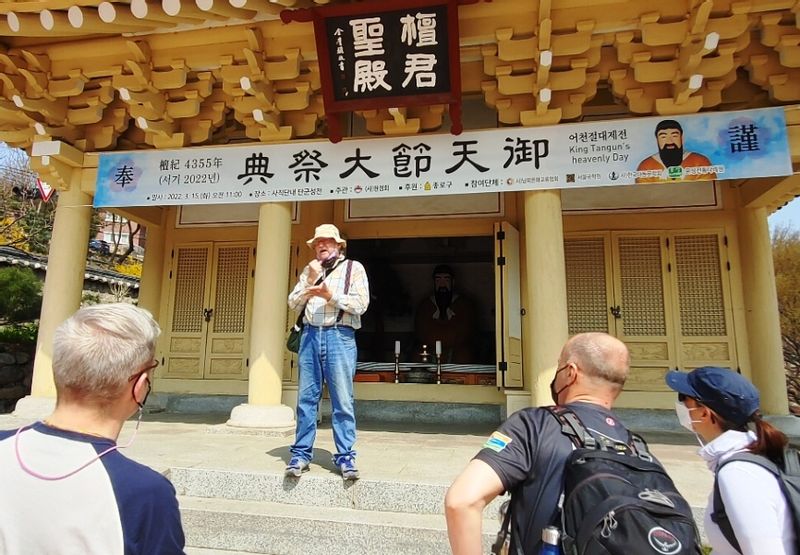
(244, 512)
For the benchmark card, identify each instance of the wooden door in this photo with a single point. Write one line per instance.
(508, 305)
(703, 326)
(211, 291)
(230, 309)
(189, 296)
(643, 307)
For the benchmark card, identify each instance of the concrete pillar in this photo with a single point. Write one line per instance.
(152, 270)
(547, 291)
(268, 327)
(761, 310)
(63, 286)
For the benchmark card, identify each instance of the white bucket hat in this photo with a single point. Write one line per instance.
(326, 231)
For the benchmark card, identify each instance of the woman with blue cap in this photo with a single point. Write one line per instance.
(721, 407)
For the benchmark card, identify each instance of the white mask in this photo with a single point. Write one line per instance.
(685, 416)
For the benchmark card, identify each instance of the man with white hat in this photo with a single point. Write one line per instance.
(334, 293)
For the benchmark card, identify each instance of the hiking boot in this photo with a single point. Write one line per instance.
(347, 466)
(296, 466)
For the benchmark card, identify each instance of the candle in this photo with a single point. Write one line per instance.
(438, 347)
(397, 347)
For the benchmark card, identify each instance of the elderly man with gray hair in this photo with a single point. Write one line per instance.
(65, 487)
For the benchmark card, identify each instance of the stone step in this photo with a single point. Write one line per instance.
(283, 529)
(316, 490)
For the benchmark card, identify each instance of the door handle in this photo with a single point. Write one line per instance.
(207, 313)
(616, 311)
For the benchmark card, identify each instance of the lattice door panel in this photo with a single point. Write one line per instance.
(702, 302)
(643, 295)
(188, 297)
(587, 285)
(227, 347)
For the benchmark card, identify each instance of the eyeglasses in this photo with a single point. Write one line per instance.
(143, 370)
(682, 398)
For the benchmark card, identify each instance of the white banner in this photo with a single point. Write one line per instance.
(728, 145)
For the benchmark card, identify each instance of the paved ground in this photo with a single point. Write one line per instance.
(431, 454)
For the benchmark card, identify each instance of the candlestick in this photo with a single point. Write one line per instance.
(438, 347)
(397, 362)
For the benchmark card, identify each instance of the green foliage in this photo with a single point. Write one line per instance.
(19, 334)
(786, 257)
(90, 298)
(20, 295)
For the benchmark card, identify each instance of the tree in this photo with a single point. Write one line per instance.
(786, 256)
(27, 221)
(20, 295)
(122, 228)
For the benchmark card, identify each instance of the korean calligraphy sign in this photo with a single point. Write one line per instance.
(386, 55)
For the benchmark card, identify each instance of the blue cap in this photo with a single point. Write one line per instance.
(727, 393)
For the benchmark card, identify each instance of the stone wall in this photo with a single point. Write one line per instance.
(16, 371)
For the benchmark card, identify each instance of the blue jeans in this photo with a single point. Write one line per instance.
(326, 353)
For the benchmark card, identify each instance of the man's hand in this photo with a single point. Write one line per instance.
(320, 290)
(314, 271)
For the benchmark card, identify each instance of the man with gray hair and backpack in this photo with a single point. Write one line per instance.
(575, 467)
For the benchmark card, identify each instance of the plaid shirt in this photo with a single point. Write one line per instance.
(321, 313)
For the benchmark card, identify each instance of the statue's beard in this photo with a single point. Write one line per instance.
(443, 297)
(671, 155)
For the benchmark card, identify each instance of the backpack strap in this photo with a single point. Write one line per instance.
(573, 428)
(639, 447)
(505, 530)
(719, 516)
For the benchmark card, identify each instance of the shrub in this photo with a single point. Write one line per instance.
(19, 334)
(20, 295)
(89, 299)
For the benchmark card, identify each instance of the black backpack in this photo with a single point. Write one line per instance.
(618, 500)
(788, 475)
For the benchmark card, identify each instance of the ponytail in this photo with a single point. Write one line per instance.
(770, 441)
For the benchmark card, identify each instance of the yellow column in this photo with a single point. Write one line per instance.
(63, 286)
(547, 290)
(268, 327)
(152, 270)
(761, 310)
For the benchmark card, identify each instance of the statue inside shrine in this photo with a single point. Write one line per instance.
(448, 317)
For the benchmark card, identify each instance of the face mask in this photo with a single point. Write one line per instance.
(685, 416)
(553, 393)
(146, 395)
(331, 260)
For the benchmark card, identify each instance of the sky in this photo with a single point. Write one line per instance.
(789, 214)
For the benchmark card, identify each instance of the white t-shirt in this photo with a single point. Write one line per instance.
(114, 506)
(754, 503)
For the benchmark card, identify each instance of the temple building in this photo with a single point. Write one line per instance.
(578, 165)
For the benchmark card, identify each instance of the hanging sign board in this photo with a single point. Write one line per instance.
(386, 55)
(704, 147)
